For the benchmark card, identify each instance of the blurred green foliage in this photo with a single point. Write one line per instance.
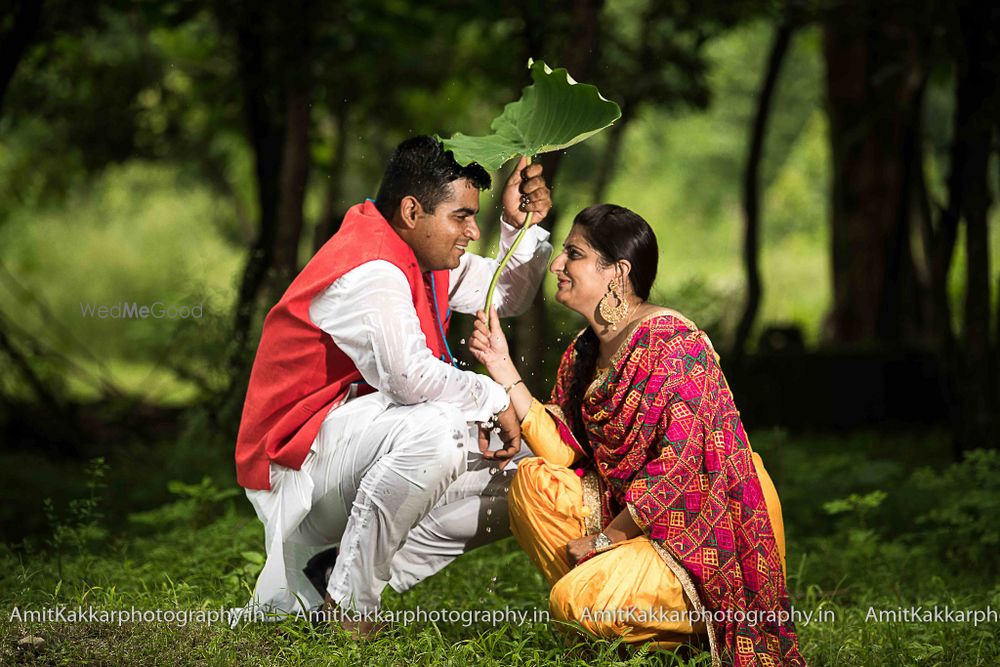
(165, 213)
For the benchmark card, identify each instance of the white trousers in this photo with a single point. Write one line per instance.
(403, 490)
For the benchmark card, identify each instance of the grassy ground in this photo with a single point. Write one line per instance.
(870, 527)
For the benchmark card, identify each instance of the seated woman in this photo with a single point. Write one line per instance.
(645, 508)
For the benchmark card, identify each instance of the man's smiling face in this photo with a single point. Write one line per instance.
(442, 235)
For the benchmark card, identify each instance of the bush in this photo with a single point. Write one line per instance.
(964, 524)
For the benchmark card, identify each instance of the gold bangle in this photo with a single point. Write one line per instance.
(512, 385)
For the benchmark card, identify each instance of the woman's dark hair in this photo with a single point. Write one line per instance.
(616, 233)
(422, 168)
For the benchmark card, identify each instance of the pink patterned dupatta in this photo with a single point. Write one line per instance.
(668, 445)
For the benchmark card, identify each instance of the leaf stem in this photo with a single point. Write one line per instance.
(506, 258)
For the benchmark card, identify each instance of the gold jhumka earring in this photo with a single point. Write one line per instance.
(613, 313)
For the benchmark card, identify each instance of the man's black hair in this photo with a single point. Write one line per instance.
(422, 168)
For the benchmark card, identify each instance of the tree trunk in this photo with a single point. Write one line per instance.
(63, 426)
(903, 311)
(333, 208)
(751, 187)
(996, 355)
(15, 41)
(293, 179)
(274, 46)
(266, 135)
(940, 245)
(612, 149)
(996, 332)
(874, 91)
(975, 78)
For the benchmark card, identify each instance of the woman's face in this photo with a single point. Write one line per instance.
(583, 280)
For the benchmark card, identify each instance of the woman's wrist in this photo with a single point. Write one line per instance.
(503, 373)
(615, 535)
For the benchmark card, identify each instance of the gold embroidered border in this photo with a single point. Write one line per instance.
(596, 382)
(592, 501)
(639, 521)
(688, 585)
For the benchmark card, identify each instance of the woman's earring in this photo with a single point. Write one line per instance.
(613, 313)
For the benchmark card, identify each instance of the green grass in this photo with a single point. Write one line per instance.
(203, 551)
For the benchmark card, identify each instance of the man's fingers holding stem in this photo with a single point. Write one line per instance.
(530, 172)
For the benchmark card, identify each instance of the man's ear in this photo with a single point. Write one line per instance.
(410, 211)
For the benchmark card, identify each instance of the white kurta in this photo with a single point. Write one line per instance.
(395, 477)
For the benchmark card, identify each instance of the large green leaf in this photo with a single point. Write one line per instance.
(554, 112)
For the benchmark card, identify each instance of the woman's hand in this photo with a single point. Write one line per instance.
(621, 528)
(489, 346)
(580, 548)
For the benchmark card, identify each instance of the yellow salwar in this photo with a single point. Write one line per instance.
(628, 591)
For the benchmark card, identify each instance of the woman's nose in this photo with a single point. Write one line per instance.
(557, 264)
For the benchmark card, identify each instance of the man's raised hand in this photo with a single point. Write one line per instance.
(526, 191)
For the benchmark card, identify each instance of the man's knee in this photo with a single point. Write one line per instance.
(437, 433)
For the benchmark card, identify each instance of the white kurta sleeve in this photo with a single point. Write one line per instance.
(369, 314)
(518, 282)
